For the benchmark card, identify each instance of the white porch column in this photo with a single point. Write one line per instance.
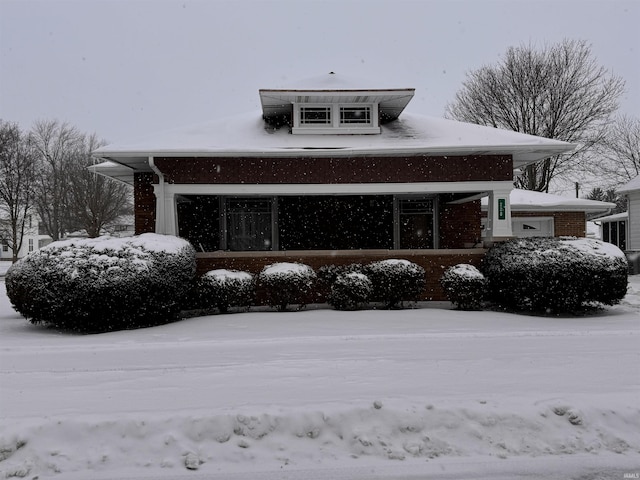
(499, 225)
(165, 204)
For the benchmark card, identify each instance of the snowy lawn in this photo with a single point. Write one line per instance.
(429, 392)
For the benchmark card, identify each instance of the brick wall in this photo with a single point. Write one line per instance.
(459, 224)
(144, 203)
(187, 170)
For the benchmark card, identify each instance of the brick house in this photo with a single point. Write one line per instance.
(329, 172)
(537, 214)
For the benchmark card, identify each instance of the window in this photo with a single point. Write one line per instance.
(315, 115)
(5, 246)
(249, 224)
(355, 115)
(616, 233)
(348, 222)
(335, 118)
(416, 223)
(31, 244)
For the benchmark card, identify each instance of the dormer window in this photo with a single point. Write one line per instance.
(330, 105)
(335, 118)
(315, 115)
(355, 115)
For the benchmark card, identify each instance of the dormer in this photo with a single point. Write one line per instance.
(333, 106)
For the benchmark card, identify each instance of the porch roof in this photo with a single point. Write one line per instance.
(248, 135)
(530, 201)
(613, 218)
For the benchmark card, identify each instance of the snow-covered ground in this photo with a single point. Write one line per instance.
(320, 394)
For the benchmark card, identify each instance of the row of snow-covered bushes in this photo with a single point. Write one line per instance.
(541, 275)
(109, 284)
(281, 285)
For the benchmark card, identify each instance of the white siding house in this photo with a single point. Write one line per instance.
(632, 192)
(34, 238)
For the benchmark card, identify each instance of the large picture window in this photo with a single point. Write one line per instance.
(335, 222)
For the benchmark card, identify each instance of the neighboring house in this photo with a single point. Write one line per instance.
(123, 226)
(537, 214)
(34, 238)
(632, 191)
(329, 172)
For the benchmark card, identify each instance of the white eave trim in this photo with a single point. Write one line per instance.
(544, 151)
(335, 189)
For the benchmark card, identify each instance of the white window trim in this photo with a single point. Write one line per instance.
(336, 127)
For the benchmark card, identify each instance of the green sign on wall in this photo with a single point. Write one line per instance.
(502, 209)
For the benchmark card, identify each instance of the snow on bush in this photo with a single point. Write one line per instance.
(555, 274)
(224, 289)
(395, 281)
(350, 291)
(286, 284)
(328, 274)
(103, 284)
(465, 286)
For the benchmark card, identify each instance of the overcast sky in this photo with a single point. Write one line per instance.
(122, 69)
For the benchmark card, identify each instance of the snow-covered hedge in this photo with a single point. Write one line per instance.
(350, 291)
(395, 281)
(465, 286)
(555, 274)
(224, 289)
(103, 284)
(285, 284)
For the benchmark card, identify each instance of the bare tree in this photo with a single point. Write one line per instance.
(618, 157)
(94, 200)
(17, 171)
(57, 145)
(557, 92)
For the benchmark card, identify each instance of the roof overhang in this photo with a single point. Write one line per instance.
(616, 217)
(522, 154)
(116, 171)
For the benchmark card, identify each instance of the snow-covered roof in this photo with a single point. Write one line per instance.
(527, 200)
(249, 135)
(634, 184)
(613, 218)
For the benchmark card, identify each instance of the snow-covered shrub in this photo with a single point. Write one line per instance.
(223, 289)
(286, 284)
(103, 284)
(328, 274)
(395, 281)
(350, 291)
(555, 274)
(465, 286)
